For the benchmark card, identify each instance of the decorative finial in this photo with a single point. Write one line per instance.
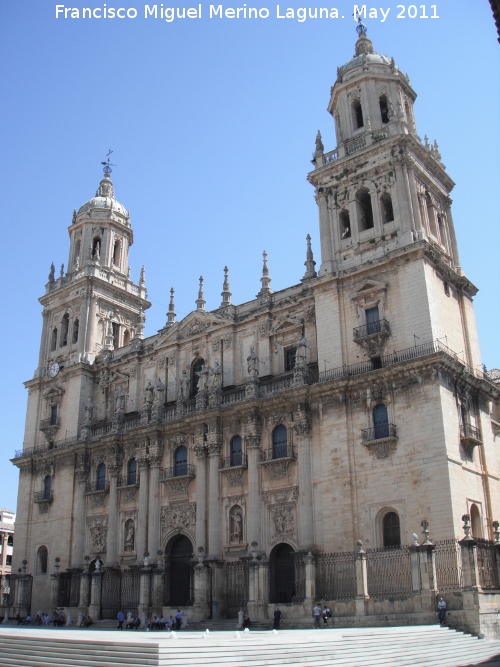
(62, 271)
(200, 301)
(226, 294)
(73, 220)
(142, 277)
(496, 532)
(466, 527)
(426, 142)
(363, 45)
(171, 309)
(425, 531)
(52, 273)
(107, 165)
(309, 263)
(319, 144)
(265, 280)
(141, 320)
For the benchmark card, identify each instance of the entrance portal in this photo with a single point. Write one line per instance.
(180, 569)
(282, 579)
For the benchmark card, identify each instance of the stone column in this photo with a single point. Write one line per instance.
(214, 509)
(200, 588)
(84, 592)
(112, 537)
(310, 564)
(415, 565)
(95, 595)
(78, 541)
(201, 493)
(155, 460)
(158, 578)
(361, 580)
(142, 519)
(252, 441)
(302, 427)
(412, 194)
(325, 234)
(470, 571)
(5, 538)
(453, 238)
(43, 343)
(144, 587)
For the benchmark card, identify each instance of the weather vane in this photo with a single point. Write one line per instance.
(360, 28)
(108, 164)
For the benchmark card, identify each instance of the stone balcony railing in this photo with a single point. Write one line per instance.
(43, 496)
(234, 461)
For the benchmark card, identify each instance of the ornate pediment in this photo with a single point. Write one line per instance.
(286, 324)
(371, 293)
(54, 395)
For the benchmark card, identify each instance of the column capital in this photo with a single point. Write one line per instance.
(200, 451)
(214, 448)
(302, 425)
(252, 441)
(142, 462)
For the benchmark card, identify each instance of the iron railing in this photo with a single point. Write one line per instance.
(469, 431)
(277, 452)
(389, 572)
(180, 470)
(378, 432)
(233, 461)
(336, 576)
(372, 328)
(448, 559)
(43, 496)
(101, 485)
(50, 421)
(132, 479)
(40, 449)
(487, 565)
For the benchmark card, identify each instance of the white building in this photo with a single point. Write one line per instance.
(221, 438)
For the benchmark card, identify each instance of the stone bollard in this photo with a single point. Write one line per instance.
(68, 618)
(241, 616)
(80, 619)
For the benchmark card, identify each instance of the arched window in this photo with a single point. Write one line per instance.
(126, 337)
(282, 574)
(42, 558)
(280, 442)
(180, 461)
(64, 330)
(391, 530)
(47, 487)
(101, 477)
(53, 340)
(116, 253)
(76, 327)
(384, 108)
(96, 247)
(132, 472)
(236, 451)
(475, 521)
(380, 421)
(386, 208)
(345, 224)
(364, 209)
(357, 112)
(195, 369)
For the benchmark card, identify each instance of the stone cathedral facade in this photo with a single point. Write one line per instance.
(220, 452)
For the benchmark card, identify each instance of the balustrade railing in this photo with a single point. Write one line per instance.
(233, 396)
(331, 156)
(355, 145)
(276, 385)
(43, 496)
(102, 429)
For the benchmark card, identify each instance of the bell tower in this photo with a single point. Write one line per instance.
(381, 188)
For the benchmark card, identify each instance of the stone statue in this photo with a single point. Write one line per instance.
(159, 392)
(148, 394)
(89, 408)
(300, 355)
(52, 273)
(184, 385)
(217, 374)
(202, 375)
(97, 253)
(130, 536)
(77, 263)
(319, 144)
(253, 363)
(120, 401)
(237, 527)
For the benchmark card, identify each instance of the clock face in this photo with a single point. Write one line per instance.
(54, 370)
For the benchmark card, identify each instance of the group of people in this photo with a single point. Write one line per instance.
(321, 612)
(43, 619)
(153, 623)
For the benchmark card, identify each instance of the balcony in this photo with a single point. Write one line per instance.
(277, 460)
(380, 439)
(125, 481)
(237, 460)
(470, 437)
(372, 329)
(178, 477)
(50, 426)
(97, 486)
(43, 497)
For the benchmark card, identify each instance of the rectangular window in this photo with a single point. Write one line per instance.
(53, 415)
(290, 359)
(8, 560)
(116, 335)
(372, 320)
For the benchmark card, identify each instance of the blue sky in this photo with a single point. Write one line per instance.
(212, 123)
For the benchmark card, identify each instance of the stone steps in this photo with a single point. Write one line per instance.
(422, 646)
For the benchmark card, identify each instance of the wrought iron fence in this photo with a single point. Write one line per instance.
(281, 451)
(448, 559)
(470, 431)
(110, 593)
(378, 432)
(389, 572)
(179, 470)
(336, 576)
(69, 589)
(129, 590)
(487, 565)
(236, 580)
(236, 459)
(379, 326)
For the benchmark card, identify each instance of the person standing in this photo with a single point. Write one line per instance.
(178, 620)
(121, 617)
(317, 614)
(277, 619)
(441, 610)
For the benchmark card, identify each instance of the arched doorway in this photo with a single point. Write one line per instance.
(178, 581)
(282, 579)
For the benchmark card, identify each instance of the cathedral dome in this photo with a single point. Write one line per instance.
(365, 57)
(104, 199)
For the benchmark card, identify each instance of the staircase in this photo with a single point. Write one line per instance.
(419, 646)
